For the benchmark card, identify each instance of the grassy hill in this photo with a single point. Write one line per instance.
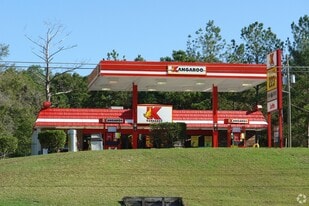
(200, 176)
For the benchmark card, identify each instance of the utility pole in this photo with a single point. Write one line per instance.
(289, 103)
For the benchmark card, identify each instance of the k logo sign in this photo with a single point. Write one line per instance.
(174, 69)
(271, 60)
(152, 113)
(148, 114)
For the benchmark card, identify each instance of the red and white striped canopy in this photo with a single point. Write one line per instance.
(175, 76)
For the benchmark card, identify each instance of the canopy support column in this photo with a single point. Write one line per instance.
(215, 116)
(134, 115)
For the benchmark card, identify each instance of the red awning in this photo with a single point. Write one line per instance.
(98, 118)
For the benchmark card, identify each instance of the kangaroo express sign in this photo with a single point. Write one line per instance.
(149, 114)
(272, 82)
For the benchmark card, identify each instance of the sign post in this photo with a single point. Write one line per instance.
(274, 93)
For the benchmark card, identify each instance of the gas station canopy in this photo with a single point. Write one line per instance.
(175, 76)
(134, 122)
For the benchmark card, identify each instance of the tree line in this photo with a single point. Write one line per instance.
(22, 91)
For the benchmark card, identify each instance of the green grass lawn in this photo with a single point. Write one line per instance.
(201, 176)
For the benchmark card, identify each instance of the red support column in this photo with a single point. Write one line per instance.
(279, 91)
(215, 116)
(134, 116)
(269, 129)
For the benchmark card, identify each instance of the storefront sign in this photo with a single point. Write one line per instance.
(113, 120)
(271, 60)
(238, 121)
(272, 82)
(272, 95)
(186, 70)
(271, 78)
(272, 106)
(148, 114)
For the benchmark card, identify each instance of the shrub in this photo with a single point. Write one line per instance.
(8, 145)
(52, 139)
(165, 134)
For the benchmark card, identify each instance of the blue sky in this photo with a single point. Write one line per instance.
(151, 28)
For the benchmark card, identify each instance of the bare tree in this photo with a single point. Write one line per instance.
(50, 45)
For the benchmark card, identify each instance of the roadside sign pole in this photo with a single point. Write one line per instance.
(269, 129)
(279, 90)
(274, 94)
